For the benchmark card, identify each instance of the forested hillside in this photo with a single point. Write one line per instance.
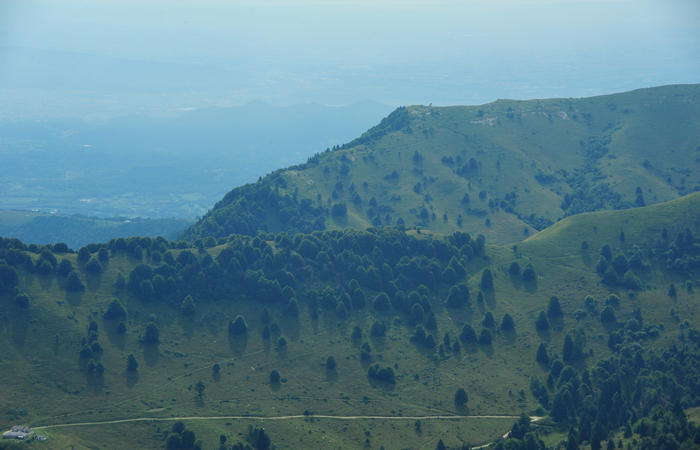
(592, 323)
(504, 169)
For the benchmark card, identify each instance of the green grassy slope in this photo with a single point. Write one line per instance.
(564, 239)
(523, 164)
(45, 381)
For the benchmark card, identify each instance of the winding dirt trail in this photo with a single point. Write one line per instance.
(288, 417)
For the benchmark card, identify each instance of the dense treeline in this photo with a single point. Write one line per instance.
(382, 268)
(342, 270)
(639, 390)
(251, 208)
(683, 253)
(629, 267)
(52, 259)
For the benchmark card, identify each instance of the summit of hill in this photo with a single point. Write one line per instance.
(505, 169)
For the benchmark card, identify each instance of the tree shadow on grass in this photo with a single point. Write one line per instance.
(510, 336)
(314, 322)
(19, 325)
(481, 307)
(381, 385)
(378, 343)
(74, 298)
(464, 314)
(290, 327)
(341, 327)
(586, 258)
(95, 382)
(610, 327)
(238, 343)
(544, 366)
(45, 281)
(131, 378)
(516, 281)
(544, 335)
(341, 220)
(29, 279)
(487, 349)
(187, 324)
(150, 354)
(462, 410)
(365, 363)
(426, 352)
(490, 299)
(470, 348)
(530, 286)
(281, 352)
(557, 323)
(115, 338)
(207, 321)
(93, 282)
(331, 375)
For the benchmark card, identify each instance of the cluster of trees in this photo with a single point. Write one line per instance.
(468, 335)
(9, 281)
(384, 269)
(255, 439)
(522, 436)
(619, 270)
(383, 374)
(585, 198)
(553, 313)
(52, 259)
(528, 274)
(682, 254)
(181, 438)
(631, 331)
(115, 311)
(91, 350)
(248, 209)
(467, 170)
(635, 388)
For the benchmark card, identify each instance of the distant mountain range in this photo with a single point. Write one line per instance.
(504, 169)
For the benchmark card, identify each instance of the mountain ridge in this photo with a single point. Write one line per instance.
(522, 165)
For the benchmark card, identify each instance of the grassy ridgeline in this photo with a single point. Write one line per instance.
(505, 169)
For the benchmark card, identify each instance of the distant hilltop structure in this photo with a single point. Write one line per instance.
(17, 432)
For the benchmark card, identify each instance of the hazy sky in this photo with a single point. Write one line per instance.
(100, 58)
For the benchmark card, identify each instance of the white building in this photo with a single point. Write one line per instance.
(17, 432)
